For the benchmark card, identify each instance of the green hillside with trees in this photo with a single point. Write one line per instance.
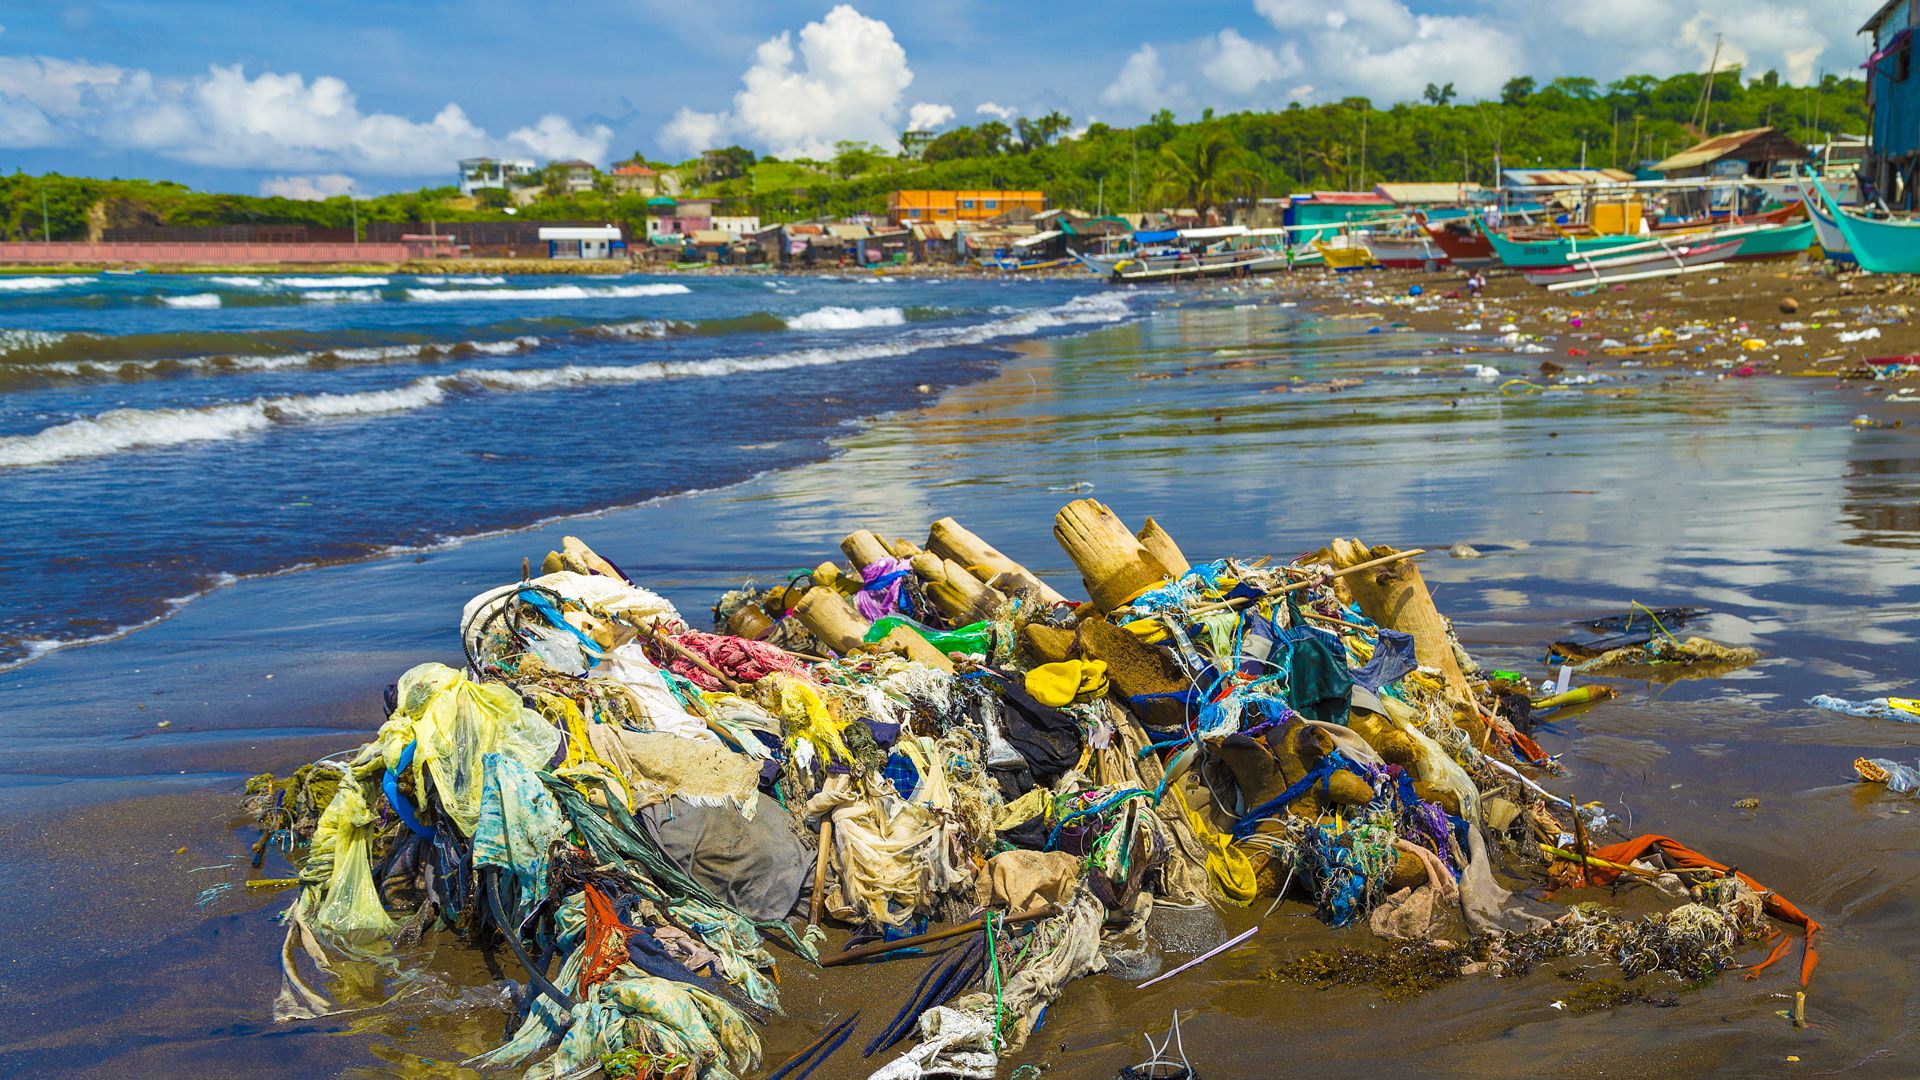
(1215, 160)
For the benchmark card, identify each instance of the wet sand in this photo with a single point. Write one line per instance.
(1751, 496)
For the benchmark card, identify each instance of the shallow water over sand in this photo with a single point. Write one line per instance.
(1753, 498)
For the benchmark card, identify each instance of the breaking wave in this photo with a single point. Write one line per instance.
(330, 282)
(842, 318)
(197, 300)
(549, 292)
(126, 429)
(22, 284)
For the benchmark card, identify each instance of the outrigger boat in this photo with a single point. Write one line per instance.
(1659, 258)
(1208, 265)
(1533, 250)
(1827, 228)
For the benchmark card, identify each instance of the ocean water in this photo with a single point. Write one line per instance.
(163, 436)
(1241, 419)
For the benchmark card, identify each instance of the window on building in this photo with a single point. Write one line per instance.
(1903, 61)
(913, 213)
(992, 203)
(966, 204)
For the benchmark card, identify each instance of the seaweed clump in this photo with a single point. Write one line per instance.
(1693, 942)
(1403, 972)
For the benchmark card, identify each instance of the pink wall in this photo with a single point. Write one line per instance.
(80, 251)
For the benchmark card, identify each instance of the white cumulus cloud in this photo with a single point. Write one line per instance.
(926, 117)
(845, 82)
(1142, 84)
(225, 119)
(1004, 112)
(1237, 65)
(308, 188)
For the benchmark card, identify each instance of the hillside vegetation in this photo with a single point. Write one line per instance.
(1214, 160)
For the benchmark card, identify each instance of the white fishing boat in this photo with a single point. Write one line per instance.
(1832, 240)
(1660, 258)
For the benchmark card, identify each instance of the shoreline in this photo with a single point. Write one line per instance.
(805, 502)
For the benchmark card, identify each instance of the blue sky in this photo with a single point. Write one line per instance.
(311, 98)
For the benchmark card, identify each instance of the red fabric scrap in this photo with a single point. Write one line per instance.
(743, 659)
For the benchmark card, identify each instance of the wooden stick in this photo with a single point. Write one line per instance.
(697, 660)
(1296, 587)
(1045, 912)
(1317, 617)
(820, 871)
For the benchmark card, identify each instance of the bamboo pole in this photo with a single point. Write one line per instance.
(1156, 540)
(1114, 566)
(830, 618)
(697, 660)
(820, 871)
(1240, 602)
(863, 548)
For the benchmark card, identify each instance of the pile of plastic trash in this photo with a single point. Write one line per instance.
(928, 742)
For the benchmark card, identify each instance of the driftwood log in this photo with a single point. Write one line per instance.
(959, 595)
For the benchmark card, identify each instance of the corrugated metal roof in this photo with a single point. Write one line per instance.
(1424, 194)
(1570, 177)
(713, 236)
(1352, 198)
(849, 232)
(1718, 147)
(934, 230)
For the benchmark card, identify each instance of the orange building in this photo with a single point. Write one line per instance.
(908, 207)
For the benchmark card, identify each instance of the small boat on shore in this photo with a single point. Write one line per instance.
(1344, 252)
(1191, 267)
(1827, 229)
(1659, 258)
(1880, 247)
(1467, 250)
(1404, 252)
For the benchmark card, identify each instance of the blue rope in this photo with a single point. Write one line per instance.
(1321, 774)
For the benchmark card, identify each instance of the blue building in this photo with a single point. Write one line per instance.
(1893, 101)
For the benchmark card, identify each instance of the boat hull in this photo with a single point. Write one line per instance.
(1832, 241)
(1398, 254)
(1636, 265)
(1468, 252)
(1781, 242)
(1880, 247)
(1189, 270)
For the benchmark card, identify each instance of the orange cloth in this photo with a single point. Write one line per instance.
(1777, 906)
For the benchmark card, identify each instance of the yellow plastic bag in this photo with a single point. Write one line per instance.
(350, 908)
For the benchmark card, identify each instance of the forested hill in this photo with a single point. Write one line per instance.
(1345, 145)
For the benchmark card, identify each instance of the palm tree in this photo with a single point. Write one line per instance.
(1206, 174)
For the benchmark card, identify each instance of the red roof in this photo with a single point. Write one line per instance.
(1349, 198)
(631, 169)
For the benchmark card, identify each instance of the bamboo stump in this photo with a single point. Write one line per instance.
(958, 594)
(863, 548)
(828, 616)
(1114, 566)
(949, 540)
(1395, 596)
(1155, 540)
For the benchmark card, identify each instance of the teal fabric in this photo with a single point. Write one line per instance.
(519, 821)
